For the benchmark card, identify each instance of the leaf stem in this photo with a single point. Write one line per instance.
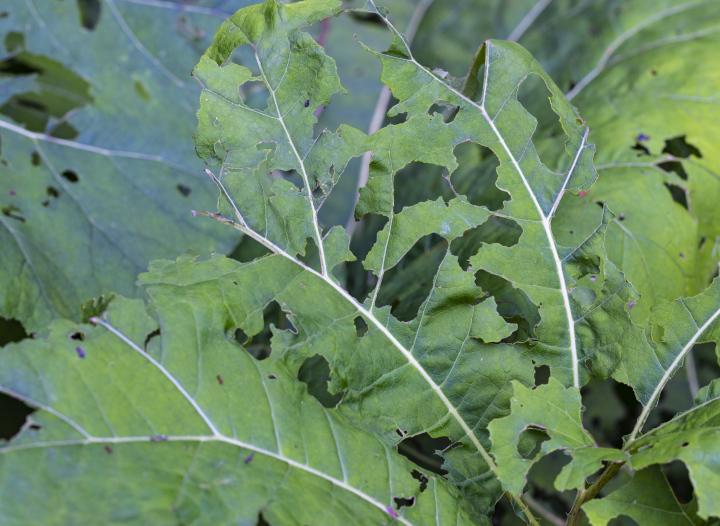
(576, 513)
(543, 511)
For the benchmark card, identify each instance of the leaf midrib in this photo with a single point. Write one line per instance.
(545, 220)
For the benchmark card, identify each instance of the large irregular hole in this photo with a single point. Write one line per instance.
(14, 415)
(542, 374)
(360, 281)
(549, 137)
(408, 284)
(401, 502)
(604, 410)
(499, 230)
(361, 326)
(512, 304)
(421, 449)
(315, 373)
(11, 330)
(259, 345)
(420, 477)
(248, 250)
(679, 147)
(59, 91)
(419, 182)
(679, 480)
(679, 194)
(675, 166)
(89, 13)
(530, 442)
(476, 176)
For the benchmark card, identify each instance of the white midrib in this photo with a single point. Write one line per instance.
(368, 314)
(545, 220)
(216, 435)
(306, 180)
(668, 373)
(209, 438)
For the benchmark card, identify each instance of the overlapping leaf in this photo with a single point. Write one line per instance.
(451, 380)
(100, 180)
(137, 429)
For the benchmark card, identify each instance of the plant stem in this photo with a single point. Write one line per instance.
(576, 513)
(543, 511)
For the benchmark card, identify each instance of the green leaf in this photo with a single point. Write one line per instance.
(139, 430)
(648, 499)
(650, 88)
(673, 329)
(430, 362)
(691, 437)
(557, 411)
(99, 180)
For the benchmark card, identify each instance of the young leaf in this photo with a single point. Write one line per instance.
(420, 362)
(103, 182)
(691, 437)
(647, 499)
(192, 430)
(557, 411)
(673, 329)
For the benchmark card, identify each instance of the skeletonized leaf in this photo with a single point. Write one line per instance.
(451, 379)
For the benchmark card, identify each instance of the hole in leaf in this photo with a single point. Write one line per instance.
(401, 502)
(421, 477)
(406, 286)
(261, 520)
(149, 338)
(244, 55)
(548, 137)
(360, 281)
(678, 194)
(53, 192)
(184, 189)
(259, 345)
(679, 479)
(512, 304)
(674, 166)
(315, 373)
(89, 13)
(530, 442)
(445, 110)
(78, 336)
(418, 182)
(361, 326)
(312, 255)
(476, 176)
(496, 229)
(35, 159)
(14, 414)
(272, 377)
(13, 212)
(44, 109)
(641, 149)
(421, 449)
(542, 374)
(679, 147)
(71, 176)
(11, 330)
(248, 250)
